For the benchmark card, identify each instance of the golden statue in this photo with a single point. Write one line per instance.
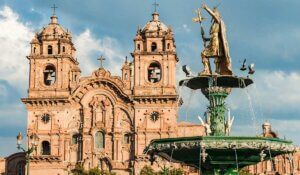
(217, 47)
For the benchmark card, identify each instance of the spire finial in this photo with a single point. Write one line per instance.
(155, 6)
(155, 13)
(54, 9)
(101, 59)
(53, 17)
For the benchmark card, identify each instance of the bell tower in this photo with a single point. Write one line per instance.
(54, 70)
(154, 82)
(155, 59)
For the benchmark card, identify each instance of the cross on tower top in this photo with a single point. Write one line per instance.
(101, 59)
(54, 9)
(155, 6)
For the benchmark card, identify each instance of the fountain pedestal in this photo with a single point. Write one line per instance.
(216, 110)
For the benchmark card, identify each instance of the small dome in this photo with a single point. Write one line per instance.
(53, 30)
(155, 25)
(35, 39)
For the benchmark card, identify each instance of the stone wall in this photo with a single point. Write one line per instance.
(2, 166)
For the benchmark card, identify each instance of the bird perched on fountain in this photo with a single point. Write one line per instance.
(187, 70)
(206, 125)
(243, 68)
(251, 69)
(229, 123)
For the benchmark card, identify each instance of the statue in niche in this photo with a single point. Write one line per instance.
(101, 107)
(218, 45)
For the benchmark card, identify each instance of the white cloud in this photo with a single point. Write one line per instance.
(14, 37)
(273, 91)
(288, 129)
(275, 97)
(3, 91)
(186, 28)
(89, 48)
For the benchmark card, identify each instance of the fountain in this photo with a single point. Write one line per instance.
(218, 152)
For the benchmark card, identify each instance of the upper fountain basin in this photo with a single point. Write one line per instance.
(226, 81)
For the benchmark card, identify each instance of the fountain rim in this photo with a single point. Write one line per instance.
(221, 145)
(225, 81)
(221, 138)
(229, 142)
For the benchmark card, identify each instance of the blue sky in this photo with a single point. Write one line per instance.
(266, 32)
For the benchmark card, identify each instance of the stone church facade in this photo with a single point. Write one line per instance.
(101, 120)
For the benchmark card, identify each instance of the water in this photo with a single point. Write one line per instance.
(187, 107)
(170, 165)
(260, 111)
(251, 108)
(200, 170)
(236, 161)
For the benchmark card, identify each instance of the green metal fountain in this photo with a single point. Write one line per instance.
(218, 153)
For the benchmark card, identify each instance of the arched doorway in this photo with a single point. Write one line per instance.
(20, 168)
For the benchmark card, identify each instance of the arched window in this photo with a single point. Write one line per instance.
(126, 138)
(154, 72)
(45, 148)
(50, 51)
(75, 77)
(99, 139)
(138, 47)
(63, 49)
(153, 47)
(34, 49)
(49, 75)
(75, 139)
(168, 46)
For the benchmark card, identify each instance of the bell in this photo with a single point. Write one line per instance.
(48, 77)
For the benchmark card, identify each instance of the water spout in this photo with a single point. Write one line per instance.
(236, 161)
(170, 163)
(252, 112)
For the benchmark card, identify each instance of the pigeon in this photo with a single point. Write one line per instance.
(251, 69)
(187, 70)
(243, 68)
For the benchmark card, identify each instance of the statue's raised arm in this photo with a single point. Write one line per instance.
(217, 47)
(215, 16)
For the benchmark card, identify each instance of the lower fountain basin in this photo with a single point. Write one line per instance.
(219, 152)
(226, 81)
